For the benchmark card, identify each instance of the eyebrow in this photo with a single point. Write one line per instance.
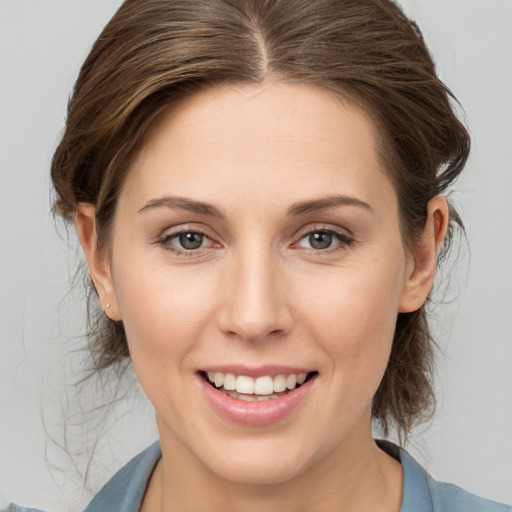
(326, 203)
(301, 208)
(183, 203)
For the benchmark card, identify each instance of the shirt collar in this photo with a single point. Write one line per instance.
(127, 487)
(416, 492)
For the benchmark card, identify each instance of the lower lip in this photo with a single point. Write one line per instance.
(255, 413)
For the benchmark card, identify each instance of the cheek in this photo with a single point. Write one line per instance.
(353, 315)
(163, 311)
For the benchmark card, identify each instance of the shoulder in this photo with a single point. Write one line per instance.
(125, 490)
(16, 508)
(422, 492)
(450, 498)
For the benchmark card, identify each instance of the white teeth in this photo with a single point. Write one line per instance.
(229, 382)
(279, 383)
(264, 398)
(301, 378)
(245, 385)
(247, 398)
(219, 379)
(291, 381)
(265, 386)
(252, 398)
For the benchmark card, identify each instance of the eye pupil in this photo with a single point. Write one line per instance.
(320, 240)
(191, 241)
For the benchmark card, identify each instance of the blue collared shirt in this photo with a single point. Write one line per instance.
(421, 493)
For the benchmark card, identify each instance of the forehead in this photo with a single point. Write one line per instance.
(287, 140)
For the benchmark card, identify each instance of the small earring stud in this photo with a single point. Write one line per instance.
(107, 305)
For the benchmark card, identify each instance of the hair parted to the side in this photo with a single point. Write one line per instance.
(153, 53)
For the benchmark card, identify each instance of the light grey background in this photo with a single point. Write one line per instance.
(42, 44)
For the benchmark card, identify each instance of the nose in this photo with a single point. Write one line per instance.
(256, 306)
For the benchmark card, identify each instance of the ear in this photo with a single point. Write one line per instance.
(97, 259)
(421, 266)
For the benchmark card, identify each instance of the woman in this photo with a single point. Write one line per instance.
(257, 187)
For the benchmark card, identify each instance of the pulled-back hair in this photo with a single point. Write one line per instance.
(154, 53)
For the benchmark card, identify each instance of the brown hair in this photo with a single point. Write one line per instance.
(155, 52)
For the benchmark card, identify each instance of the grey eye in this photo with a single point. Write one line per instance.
(320, 240)
(191, 240)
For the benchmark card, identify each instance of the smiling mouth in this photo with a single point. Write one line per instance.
(259, 389)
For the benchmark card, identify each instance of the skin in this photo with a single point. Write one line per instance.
(256, 292)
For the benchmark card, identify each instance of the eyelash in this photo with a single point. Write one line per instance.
(343, 239)
(165, 242)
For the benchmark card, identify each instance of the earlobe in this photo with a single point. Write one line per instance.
(97, 259)
(422, 262)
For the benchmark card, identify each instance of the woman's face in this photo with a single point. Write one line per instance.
(257, 239)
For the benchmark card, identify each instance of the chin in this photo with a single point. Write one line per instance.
(253, 462)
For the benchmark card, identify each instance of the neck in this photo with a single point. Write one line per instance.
(357, 476)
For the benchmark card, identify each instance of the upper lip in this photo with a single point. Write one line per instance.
(256, 371)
